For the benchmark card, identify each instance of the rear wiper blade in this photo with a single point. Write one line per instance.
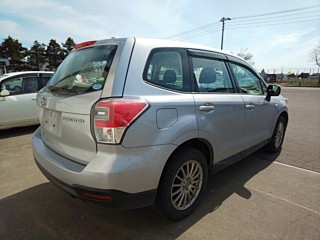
(61, 89)
(69, 75)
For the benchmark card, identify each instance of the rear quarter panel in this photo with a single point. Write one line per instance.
(170, 118)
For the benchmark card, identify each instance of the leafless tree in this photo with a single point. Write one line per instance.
(246, 55)
(314, 54)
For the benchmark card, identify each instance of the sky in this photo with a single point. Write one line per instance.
(279, 33)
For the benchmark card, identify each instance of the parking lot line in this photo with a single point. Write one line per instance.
(284, 200)
(287, 165)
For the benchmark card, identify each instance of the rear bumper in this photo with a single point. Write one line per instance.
(118, 177)
(106, 198)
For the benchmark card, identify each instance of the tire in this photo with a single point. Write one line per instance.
(182, 184)
(275, 144)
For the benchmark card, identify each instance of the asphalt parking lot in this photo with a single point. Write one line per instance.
(262, 197)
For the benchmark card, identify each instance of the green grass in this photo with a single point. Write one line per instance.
(303, 84)
(299, 83)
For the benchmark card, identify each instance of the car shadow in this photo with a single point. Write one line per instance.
(18, 131)
(45, 212)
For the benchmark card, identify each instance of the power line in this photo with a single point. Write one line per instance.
(241, 22)
(273, 24)
(197, 34)
(273, 17)
(273, 13)
(204, 27)
(270, 20)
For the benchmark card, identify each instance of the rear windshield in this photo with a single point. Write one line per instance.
(84, 70)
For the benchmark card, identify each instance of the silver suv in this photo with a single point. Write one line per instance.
(132, 122)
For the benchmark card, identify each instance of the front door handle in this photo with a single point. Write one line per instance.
(206, 108)
(249, 106)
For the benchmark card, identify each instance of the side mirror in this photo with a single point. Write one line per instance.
(4, 93)
(273, 90)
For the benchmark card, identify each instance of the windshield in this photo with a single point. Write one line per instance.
(84, 70)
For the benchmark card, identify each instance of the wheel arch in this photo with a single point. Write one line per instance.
(286, 117)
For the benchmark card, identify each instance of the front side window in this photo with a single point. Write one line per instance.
(248, 82)
(211, 75)
(164, 68)
(84, 70)
(20, 85)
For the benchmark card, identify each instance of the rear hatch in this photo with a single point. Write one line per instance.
(65, 104)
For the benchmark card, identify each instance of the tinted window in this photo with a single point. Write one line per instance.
(164, 68)
(248, 82)
(30, 85)
(43, 80)
(211, 75)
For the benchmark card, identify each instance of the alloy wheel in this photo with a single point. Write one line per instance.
(279, 134)
(186, 185)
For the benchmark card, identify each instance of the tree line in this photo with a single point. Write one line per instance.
(40, 56)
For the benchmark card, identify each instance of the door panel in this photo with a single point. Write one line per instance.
(220, 112)
(221, 121)
(259, 115)
(259, 111)
(19, 107)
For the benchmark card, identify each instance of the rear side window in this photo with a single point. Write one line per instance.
(84, 70)
(30, 85)
(211, 75)
(164, 68)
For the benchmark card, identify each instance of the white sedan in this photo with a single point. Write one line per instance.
(18, 97)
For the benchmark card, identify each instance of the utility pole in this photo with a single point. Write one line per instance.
(223, 20)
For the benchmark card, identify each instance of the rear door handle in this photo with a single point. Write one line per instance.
(249, 106)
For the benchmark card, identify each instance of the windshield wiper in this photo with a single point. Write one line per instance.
(62, 89)
(67, 76)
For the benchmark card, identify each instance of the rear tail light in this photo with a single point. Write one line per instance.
(112, 117)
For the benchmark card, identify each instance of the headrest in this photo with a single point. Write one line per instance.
(169, 76)
(207, 75)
